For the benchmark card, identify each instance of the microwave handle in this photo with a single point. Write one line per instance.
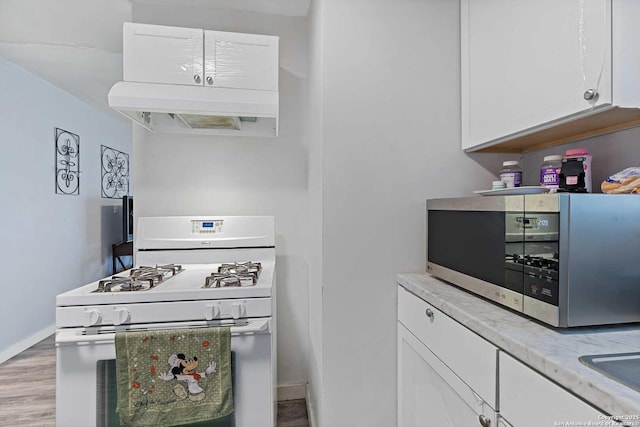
(71, 337)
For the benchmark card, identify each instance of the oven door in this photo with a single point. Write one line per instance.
(85, 373)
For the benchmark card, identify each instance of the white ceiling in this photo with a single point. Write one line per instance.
(270, 7)
(77, 44)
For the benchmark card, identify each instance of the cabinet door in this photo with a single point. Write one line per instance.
(241, 61)
(430, 394)
(528, 63)
(527, 399)
(160, 54)
(471, 357)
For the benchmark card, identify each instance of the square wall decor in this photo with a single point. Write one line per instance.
(67, 162)
(115, 173)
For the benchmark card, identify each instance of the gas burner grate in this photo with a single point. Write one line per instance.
(242, 268)
(234, 274)
(224, 280)
(163, 271)
(124, 284)
(140, 279)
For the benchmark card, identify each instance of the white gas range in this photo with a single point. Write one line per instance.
(191, 272)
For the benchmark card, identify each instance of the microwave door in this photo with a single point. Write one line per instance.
(475, 250)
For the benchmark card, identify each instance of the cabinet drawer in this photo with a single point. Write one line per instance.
(527, 399)
(471, 357)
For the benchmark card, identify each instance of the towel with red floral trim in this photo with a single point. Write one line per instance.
(173, 377)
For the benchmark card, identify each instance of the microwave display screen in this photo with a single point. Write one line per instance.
(528, 223)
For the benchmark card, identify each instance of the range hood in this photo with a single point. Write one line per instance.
(185, 109)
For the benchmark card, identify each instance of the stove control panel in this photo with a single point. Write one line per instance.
(206, 226)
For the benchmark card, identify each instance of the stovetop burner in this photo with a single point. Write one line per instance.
(140, 279)
(163, 271)
(125, 284)
(241, 268)
(234, 274)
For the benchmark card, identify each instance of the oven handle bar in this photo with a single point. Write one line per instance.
(71, 337)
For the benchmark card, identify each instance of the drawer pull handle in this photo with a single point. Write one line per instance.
(484, 421)
(429, 313)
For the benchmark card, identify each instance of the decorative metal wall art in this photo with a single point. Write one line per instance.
(115, 173)
(67, 162)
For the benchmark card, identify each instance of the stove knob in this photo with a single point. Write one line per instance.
(120, 315)
(91, 317)
(236, 310)
(211, 311)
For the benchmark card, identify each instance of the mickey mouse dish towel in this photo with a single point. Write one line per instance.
(173, 377)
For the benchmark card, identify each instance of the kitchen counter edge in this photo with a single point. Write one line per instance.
(550, 351)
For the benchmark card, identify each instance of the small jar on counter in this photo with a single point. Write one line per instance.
(511, 174)
(550, 172)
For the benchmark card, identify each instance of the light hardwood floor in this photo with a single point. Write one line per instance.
(28, 391)
(28, 387)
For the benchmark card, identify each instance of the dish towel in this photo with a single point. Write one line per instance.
(173, 377)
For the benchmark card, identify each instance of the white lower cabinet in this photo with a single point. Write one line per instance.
(432, 391)
(430, 394)
(448, 376)
(527, 399)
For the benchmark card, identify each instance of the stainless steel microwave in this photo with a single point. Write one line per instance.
(564, 259)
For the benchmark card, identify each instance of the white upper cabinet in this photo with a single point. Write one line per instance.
(545, 72)
(234, 60)
(188, 56)
(160, 54)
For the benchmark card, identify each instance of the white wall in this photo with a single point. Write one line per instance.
(390, 101)
(197, 175)
(315, 122)
(51, 243)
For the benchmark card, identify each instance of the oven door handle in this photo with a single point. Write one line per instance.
(255, 327)
(73, 337)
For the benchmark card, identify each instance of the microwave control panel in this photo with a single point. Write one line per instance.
(532, 226)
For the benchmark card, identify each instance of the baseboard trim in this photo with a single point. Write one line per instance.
(292, 391)
(19, 347)
(311, 414)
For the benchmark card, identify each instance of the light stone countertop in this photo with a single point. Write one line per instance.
(551, 351)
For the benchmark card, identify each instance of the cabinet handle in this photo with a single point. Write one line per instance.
(429, 313)
(197, 78)
(210, 80)
(484, 421)
(591, 95)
